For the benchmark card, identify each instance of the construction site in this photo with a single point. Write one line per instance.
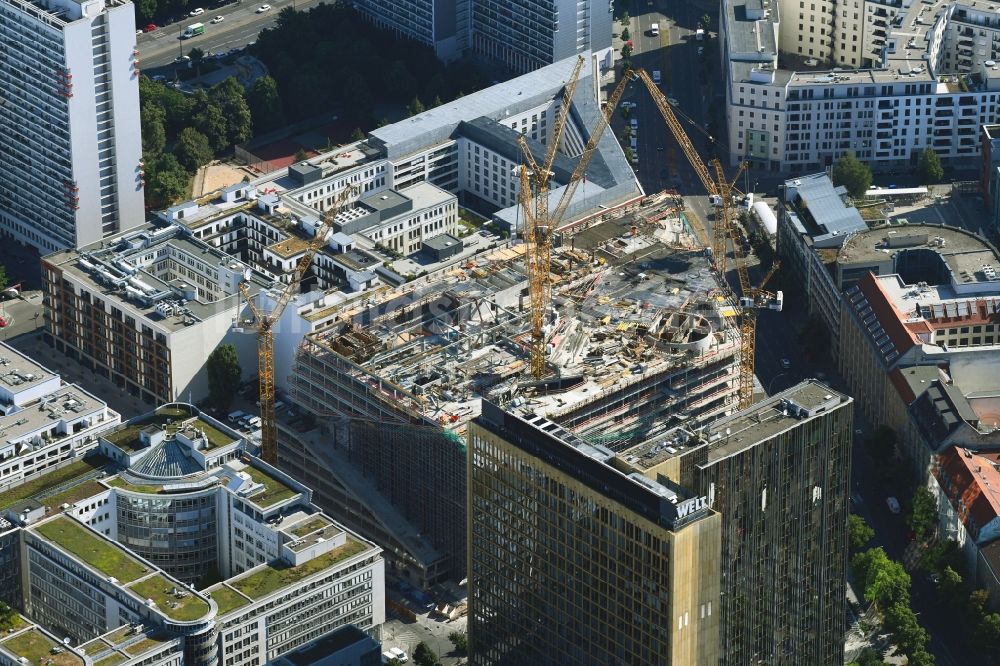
(639, 340)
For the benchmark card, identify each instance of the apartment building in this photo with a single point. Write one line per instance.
(527, 35)
(71, 159)
(783, 527)
(930, 83)
(522, 36)
(441, 24)
(45, 421)
(144, 309)
(195, 548)
(575, 556)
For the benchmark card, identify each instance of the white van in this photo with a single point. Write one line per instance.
(399, 654)
(654, 29)
(254, 422)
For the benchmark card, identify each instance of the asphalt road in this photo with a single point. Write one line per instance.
(240, 27)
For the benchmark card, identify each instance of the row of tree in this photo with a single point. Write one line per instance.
(330, 57)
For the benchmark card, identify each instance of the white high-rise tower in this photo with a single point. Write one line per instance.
(70, 144)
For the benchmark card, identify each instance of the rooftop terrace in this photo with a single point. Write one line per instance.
(170, 419)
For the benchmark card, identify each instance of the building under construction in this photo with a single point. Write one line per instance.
(638, 341)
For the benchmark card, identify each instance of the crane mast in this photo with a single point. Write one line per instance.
(751, 299)
(538, 222)
(264, 325)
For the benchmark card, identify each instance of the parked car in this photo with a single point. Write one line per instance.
(399, 655)
(785, 364)
(150, 27)
(263, 8)
(635, 123)
(197, 11)
(893, 504)
(236, 416)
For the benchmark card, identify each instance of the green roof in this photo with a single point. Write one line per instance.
(227, 599)
(272, 577)
(145, 645)
(119, 482)
(274, 490)
(35, 646)
(183, 609)
(308, 526)
(103, 555)
(112, 659)
(75, 494)
(52, 481)
(127, 436)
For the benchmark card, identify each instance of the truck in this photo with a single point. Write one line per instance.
(699, 34)
(193, 30)
(654, 29)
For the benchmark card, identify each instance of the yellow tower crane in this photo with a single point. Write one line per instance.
(534, 200)
(721, 190)
(263, 323)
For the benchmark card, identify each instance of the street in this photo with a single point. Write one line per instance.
(240, 27)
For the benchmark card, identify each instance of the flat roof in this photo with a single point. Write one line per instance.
(69, 403)
(267, 579)
(384, 200)
(869, 246)
(88, 546)
(137, 248)
(329, 644)
(745, 429)
(171, 598)
(442, 241)
(427, 195)
(226, 598)
(275, 490)
(59, 482)
(36, 647)
(172, 420)
(19, 372)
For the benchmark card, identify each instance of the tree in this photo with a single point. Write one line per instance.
(166, 180)
(357, 135)
(924, 515)
(436, 102)
(988, 634)
(3, 276)
(628, 154)
(211, 122)
(852, 174)
(626, 35)
(884, 581)
(460, 641)
(869, 657)
(265, 105)
(902, 623)
(416, 106)
(627, 50)
(192, 149)
(920, 657)
(301, 155)
(423, 655)
(8, 617)
(224, 374)
(858, 532)
(706, 20)
(229, 96)
(625, 18)
(154, 134)
(929, 166)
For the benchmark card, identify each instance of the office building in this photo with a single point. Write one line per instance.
(989, 176)
(576, 557)
(814, 220)
(808, 82)
(195, 549)
(45, 421)
(144, 309)
(71, 159)
(778, 474)
(522, 36)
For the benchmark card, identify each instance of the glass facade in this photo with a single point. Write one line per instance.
(176, 533)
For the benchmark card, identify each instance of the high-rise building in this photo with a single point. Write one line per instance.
(528, 35)
(521, 35)
(577, 557)
(779, 475)
(70, 159)
(443, 24)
